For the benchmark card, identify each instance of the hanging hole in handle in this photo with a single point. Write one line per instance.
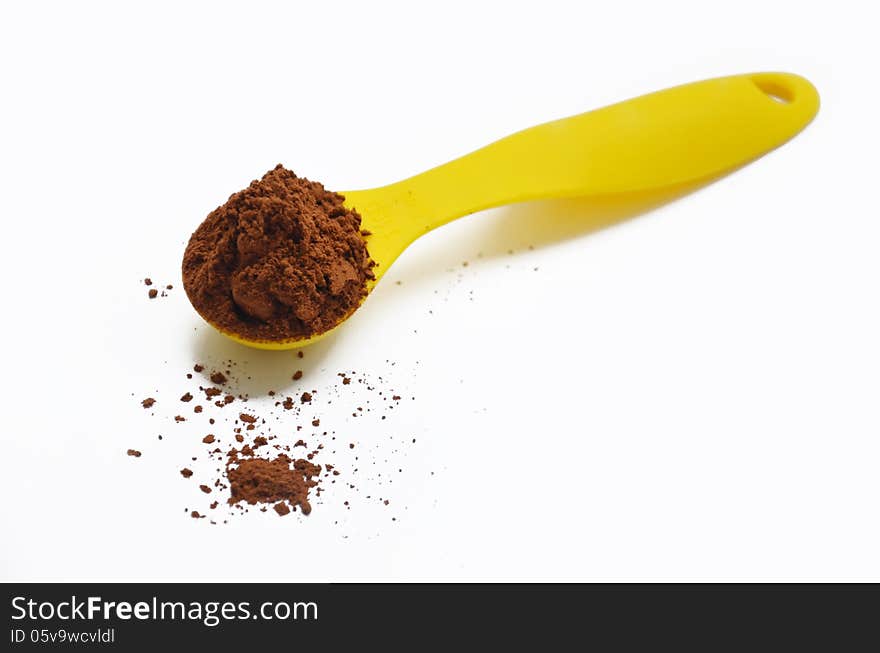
(775, 90)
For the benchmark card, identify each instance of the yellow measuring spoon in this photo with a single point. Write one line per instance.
(665, 140)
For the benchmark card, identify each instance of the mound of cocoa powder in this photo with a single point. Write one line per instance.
(282, 259)
(273, 481)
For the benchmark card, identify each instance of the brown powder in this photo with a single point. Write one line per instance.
(282, 259)
(148, 402)
(218, 377)
(134, 453)
(257, 480)
(268, 428)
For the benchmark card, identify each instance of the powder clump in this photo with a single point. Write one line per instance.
(282, 259)
(258, 480)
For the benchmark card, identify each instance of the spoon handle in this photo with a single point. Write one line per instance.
(680, 135)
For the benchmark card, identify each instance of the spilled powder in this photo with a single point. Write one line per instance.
(282, 479)
(245, 459)
(152, 293)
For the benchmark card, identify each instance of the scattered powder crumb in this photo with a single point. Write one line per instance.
(186, 472)
(148, 402)
(134, 453)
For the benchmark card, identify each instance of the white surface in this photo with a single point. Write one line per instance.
(692, 394)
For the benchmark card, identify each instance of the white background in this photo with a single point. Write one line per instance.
(693, 394)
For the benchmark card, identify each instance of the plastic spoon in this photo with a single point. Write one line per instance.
(672, 138)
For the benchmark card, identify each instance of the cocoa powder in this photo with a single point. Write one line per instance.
(248, 471)
(257, 480)
(282, 259)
